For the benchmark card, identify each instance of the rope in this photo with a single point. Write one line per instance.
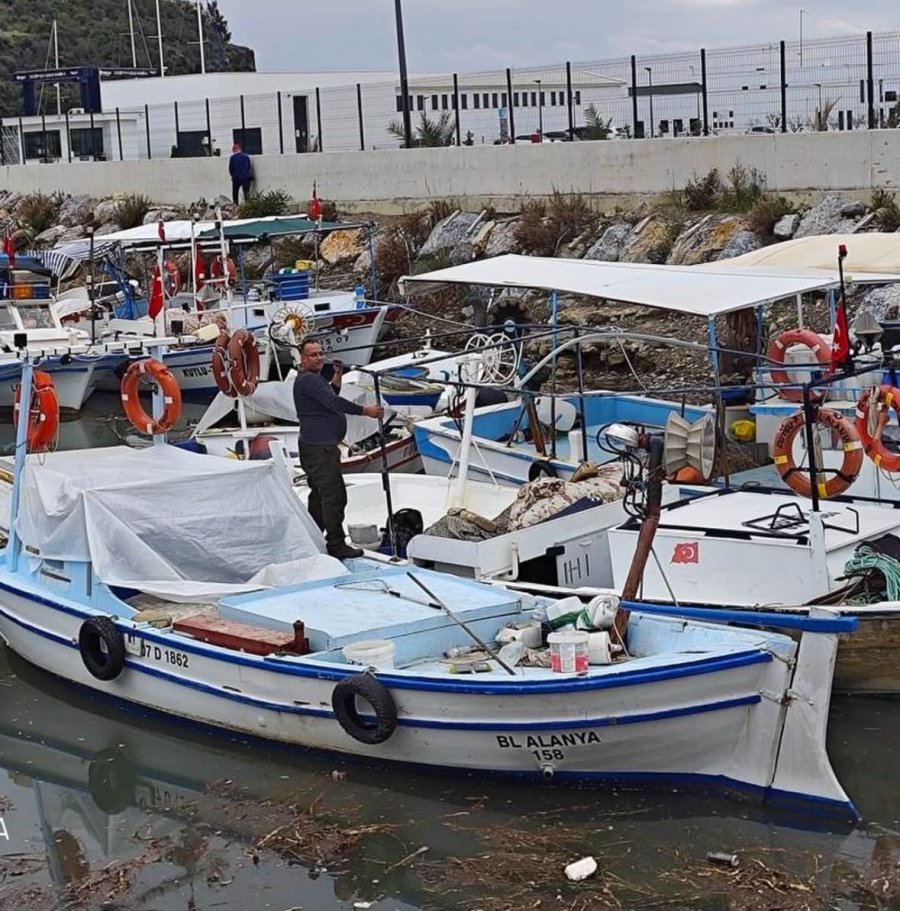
(866, 560)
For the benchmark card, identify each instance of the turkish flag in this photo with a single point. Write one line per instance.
(161, 230)
(157, 295)
(315, 209)
(199, 270)
(840, 346)
(686, 553)
(9, 248)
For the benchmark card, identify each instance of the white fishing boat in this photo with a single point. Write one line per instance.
(200, 588)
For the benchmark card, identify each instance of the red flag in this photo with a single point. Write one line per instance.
(157, 294)
(199, 270)
(840, 345)
(315, 210)
(686, 553)
(161, 230)
(9, 248)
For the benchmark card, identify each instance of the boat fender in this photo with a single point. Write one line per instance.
(368, 689)
(541, 467)
(112, 779)
(102, 648)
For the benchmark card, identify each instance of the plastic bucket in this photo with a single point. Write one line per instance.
(569, 651)
(371, 653)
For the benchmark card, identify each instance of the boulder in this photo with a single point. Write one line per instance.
(341, 246)
(154, 215)
(706, 239)
(826, 217)
(786, 226)
(649, 243)
(76, 210)
(609, 247)
(502, 238)
(451, 236)
(742, 242)
(50, 237)
(105, 210)
(882, 302)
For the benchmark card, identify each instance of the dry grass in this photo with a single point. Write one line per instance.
(130, 211)
(37, 212)
(545, 226)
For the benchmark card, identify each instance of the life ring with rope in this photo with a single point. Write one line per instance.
(43, 412)
(776, 354)
(871, 419)
(221, 363)
(227, 269)
(797, 478)
(134, 411)
(243, 356)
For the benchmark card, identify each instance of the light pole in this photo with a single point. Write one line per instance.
(649, 70)
(802, 11)
(404, 80)
(818, 85)
(540, 100)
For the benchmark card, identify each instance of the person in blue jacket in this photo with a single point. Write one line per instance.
(240, 167)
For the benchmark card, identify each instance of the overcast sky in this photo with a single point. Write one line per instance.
(472, 35)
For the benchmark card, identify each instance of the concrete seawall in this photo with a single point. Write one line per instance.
(794, 164)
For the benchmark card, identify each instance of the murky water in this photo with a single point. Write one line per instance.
(101, 808)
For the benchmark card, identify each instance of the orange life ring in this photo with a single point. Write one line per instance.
(131, 402)
(43, 412)
(776, 353)
(797, 478)
(244, 357)
(870, 425)
(218, 270)
(221, 363)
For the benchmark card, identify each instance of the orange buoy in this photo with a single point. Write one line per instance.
(43, 412)
(158, 373)
(870, 424)
(220, 364)
(777, 351)
(244, 357)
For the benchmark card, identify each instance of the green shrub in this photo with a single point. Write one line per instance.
(886, 210)
(765, 212)
(703, 193)
(261, 205)
(37, 212)
(745, 188)
(130, 211)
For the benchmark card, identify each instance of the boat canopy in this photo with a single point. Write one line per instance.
(175, 524)
(703, 291)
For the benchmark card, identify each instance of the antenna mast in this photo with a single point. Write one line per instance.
(56, 64)
(131, 32)
(200, 36)
(159, 38)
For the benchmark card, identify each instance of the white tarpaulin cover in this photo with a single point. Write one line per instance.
(172, 523)
(702, 290)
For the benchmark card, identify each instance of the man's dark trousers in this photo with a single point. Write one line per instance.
(327, 493)
(237, 186)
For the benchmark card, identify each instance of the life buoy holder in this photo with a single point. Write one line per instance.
(243, 370)
(102, 648)
(776, 354)
(228, 270)
(871, 418)
(131, 401)
(221, 363)
(43, 413)
(368, 689)
(798, 478)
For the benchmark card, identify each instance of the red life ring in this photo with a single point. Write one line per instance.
(870, 425)
(221, 363)
(244, 357)
(776, 353)
(43, 412)
(217, 270)
(131, 402)
(797, 478)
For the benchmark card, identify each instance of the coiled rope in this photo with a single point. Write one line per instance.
(866, 559)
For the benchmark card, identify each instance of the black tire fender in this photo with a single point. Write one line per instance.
(372, 691)
(112, 780)
(541, 467)
(102, 648)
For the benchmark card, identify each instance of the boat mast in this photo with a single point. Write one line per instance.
(200, 36)
(159, 39)
(131, 33)
(56, 64)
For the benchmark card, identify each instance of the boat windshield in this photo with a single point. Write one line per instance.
(36, 316)
(7, 318)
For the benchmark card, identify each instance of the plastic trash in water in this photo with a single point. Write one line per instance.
(581, 869)
(723, 858)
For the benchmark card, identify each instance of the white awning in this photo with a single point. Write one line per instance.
(703, 291)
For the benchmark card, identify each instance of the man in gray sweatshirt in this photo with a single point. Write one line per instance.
(323, 424)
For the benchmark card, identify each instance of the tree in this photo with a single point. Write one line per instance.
(597, 127)
(429, 133)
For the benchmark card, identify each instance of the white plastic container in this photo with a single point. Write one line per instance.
(371, 653)
(569, 651)
(528, 632)
(364, 535)
(598, 648)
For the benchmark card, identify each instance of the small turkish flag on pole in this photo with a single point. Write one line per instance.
(9, 248)
(315, 209)
(840, 345)
(161, 230)
(157, 296)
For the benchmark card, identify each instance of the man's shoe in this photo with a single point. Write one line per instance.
(344, 551)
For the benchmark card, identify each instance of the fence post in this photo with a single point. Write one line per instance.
(22, 141)
(243, 124)
(147, 125)
(319, 118)
(570, 101)
(44, 134)
(119, 134)
(512, 107)
(705, 91)
(359, 111)
(783, 88)
(280, 126)
(68, 137)
(2, 143)
(456, 108)
(870, 80)
(177, 130)
(208, 129)
(634, 105)
(93, 143)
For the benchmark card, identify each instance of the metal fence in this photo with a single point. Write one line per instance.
(785, 86)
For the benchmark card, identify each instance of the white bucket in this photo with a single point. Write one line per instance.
(598, 648)
(371, 653)
(569, 651)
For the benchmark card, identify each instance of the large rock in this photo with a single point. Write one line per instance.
(703, 241)
(827, 217)
(51, 236)
(883, 302)
(502, 238)
(649, 243)
(155, 215)
(341, 246)
(452, 237)
(609, 247)
(76, 210)
(786, 226)
(742, 242)
(105, 210)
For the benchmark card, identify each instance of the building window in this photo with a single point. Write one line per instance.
(515, 99)
(434, 102)
(87, 145)
(464, 98)
(476, 100)
(191, 143)
(577, 97)
(420, 102)
(495, 98)
(543, 97)
(36, 147)
(250, 139)
(503, 100)
(484, 100)
(534, 99)
(524, 99)
(553, 99)
(443, 102)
